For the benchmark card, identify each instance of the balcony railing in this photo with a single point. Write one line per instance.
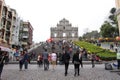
(24, 43)
(25, 29)
(25, 36)
(9, 19)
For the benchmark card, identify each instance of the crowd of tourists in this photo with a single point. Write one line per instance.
(68, 52)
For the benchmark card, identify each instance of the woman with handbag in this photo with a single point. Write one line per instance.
(76, 62)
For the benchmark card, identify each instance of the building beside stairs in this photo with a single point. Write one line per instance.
(118, 13)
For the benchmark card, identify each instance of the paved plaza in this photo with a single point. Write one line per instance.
(11, 72)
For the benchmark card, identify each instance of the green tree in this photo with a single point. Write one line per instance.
(110, 27)
(91, 35)
(107, 30)
(80, 38)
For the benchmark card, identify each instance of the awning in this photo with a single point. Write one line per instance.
(5, 49)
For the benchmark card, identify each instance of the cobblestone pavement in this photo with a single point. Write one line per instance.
(11, 72)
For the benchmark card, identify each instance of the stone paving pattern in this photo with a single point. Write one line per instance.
(11, 72)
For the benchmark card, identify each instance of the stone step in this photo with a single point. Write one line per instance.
(35, 62)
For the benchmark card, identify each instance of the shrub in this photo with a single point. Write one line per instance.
(104, 54)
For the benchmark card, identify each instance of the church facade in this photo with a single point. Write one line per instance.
(64, 31)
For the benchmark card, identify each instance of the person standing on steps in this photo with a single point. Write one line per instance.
(2, 61)
(45, 56)
(93, 56)
(39, 60)
(21, 60)
(26, 57)
(80, 57)
(118, 60)
(53, 59)
(76, 62)
(66, 58)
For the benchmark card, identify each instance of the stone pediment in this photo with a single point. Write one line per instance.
(64, 20)
(64, 23)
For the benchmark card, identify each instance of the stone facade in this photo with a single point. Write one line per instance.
(64, 31)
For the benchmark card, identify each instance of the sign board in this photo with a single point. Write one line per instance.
(118, 55)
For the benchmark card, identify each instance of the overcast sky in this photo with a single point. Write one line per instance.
(43, 14)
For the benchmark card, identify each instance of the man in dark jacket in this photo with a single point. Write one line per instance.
(26, 60)
(66, 58)
(45, 60)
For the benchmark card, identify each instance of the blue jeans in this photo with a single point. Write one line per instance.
(26, 64)
(46, 64)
